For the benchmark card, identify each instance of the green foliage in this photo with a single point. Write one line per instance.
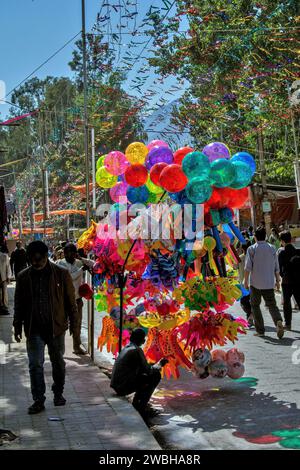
(239, 58)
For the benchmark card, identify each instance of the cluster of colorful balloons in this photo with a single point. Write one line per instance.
(218, 363)
(144, 172)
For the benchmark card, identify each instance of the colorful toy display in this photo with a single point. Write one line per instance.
(176, 288)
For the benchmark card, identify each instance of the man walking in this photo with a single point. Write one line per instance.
(262, 268)
(4, 280)
(76, 265)
(289, 265)
(18, 259)
(44, 305)
(132, 373)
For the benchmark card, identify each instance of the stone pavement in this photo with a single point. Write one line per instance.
(93, 418)
(259, 411)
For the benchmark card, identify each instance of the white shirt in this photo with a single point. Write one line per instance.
(75, 269)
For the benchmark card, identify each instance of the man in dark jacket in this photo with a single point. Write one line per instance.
(289, 265)
(132, 373)
(18, 259)
(45, 306)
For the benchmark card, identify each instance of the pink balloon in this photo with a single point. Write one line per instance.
(157, 143)
(117, 191)
(116, 163)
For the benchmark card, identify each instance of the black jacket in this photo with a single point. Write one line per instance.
(284, 256)
(129, 365)
(63, 305)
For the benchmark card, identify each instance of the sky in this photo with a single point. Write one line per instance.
(32, 30)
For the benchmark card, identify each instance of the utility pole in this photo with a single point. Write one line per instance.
(32, 211)
(86, 143)
(45, 198)
(19, 214)
(296, 162)
(266, 206)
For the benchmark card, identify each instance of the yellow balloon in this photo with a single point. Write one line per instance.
(153, 188)
(100, 162)
(136, 152)
(105, 179)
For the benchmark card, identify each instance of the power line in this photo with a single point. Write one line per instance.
(44, 63)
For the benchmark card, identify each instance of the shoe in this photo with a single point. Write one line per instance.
(36, 407)
(79, 351)
(280, 329)
(260, 335)
(59, 400)
(287, 328)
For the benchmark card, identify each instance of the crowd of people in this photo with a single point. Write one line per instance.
(48, 302)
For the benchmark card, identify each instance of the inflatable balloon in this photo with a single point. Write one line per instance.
(100, 162)
(198, 190)
(155, 172)
(235, 355)
(173, 179)
(105, 179)
(159, 155)
(136, 152)
(235, 370)
(153, 188)
(157, 143)
(218, 369)
(196, 164)
(222, 173)
(136, 175)
(201, 358)
(218, 354)
(216, 150)
(115, 162)
(140, 194)
(243, 175)
(117, 191)
(181, 153)
(245, 157)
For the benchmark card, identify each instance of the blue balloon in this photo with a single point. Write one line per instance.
(139, 194)
(245, 157)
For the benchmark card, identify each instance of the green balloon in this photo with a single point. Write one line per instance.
(222, 173)
(196, 165)
(198, 191)
(100, 162)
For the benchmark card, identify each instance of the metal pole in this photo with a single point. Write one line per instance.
(19, 214)
(45, 198)
(92, 336)
(93, 169)
(86, 144)
(296, 164)
(263, 177)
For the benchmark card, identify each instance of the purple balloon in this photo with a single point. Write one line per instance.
(158, 155)
(117, 191)
(157, 143)
(216, 150)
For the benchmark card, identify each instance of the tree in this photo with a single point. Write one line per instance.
(239, 58)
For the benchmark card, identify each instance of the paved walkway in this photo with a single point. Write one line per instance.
(93, 418)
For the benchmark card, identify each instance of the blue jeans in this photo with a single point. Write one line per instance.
(36, 355)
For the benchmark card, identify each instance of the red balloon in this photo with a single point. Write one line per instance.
(156, 171)
(238, 197)
(181, 153)
(136, 175)
(172, 178)
(214, 201)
